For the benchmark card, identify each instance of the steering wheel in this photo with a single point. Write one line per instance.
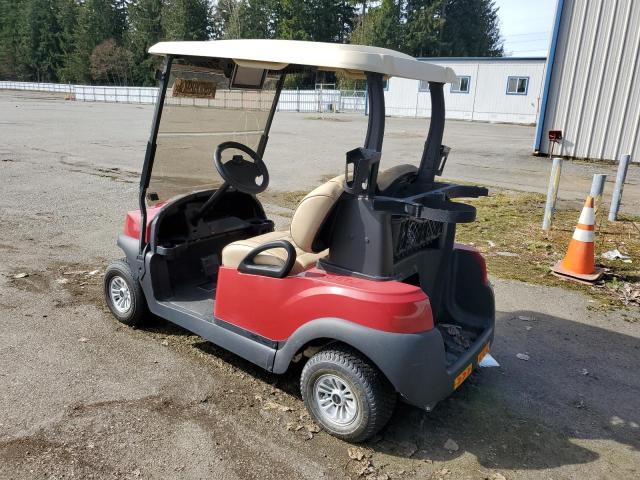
(245, 176)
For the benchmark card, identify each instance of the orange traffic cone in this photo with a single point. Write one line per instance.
(578, 263)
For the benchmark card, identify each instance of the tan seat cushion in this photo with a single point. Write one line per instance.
(235, 252)
(305, 225)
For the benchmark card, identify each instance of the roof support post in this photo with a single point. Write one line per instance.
(431, 154)
(375, 125)
(150, 154)
(265, 136)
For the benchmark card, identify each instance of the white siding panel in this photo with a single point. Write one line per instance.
(487, 99)
(593, 95)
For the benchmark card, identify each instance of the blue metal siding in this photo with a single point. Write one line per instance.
(547, 77)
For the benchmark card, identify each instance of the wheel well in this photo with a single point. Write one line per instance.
(310, 348)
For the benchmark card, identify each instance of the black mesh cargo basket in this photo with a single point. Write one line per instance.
(411, 235)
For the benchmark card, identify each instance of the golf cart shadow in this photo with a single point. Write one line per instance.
(288, 383)
(541, 413)
(579, 387)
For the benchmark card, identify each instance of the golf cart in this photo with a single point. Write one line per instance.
(367, 286)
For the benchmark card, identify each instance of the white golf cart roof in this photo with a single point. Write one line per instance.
(353, 60)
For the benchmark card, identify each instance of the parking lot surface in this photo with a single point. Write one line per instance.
(85, 397)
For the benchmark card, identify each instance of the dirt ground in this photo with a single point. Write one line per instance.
(85, 397)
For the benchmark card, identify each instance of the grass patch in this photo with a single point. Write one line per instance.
(289, 200)
(508, 232)
(329, 116)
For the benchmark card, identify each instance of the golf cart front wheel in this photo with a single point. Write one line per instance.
(123, 294)
(345, 394)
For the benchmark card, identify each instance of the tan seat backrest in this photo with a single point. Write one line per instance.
(313, 210)
(316, 206)
(390, 175)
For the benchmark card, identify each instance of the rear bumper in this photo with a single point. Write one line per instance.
(416, 366)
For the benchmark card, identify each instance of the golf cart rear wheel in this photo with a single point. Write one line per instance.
(345, 394)
(123, 294)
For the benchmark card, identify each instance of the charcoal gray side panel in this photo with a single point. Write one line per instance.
(129, 246)
(413, 363)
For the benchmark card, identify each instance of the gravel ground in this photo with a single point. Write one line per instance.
(85, 397)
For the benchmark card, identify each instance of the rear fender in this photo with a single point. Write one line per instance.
(391, 352)
(130, 247)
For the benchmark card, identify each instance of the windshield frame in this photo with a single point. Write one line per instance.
(163, 77)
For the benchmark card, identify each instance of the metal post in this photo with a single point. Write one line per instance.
(597, 188)
(623, 166)
(552, 193)
(366, 101)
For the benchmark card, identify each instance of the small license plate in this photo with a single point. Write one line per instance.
(462, 376)
(483, 352)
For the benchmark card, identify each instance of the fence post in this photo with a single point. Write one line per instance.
(623, 166)
(552, 193)
(597, 188)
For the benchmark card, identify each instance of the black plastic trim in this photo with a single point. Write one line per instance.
(246, 333)
(129, 246)
(375, 125)
(267, 128)
(273, 271)
(432, 153)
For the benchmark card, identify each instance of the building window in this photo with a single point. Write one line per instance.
(423, 86)
(517, 85)
(461, 85)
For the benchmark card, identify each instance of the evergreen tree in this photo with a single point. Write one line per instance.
(67, 18)
(186, 19)
(145, 29)
(316, 20)
(98, 20)
(424, 23)
(257, 18)
(225, 20)
(13, 40)
(295, 22)
(54, 40)
(381, 26)
(42, 47)
(471, 29)
(332, 20)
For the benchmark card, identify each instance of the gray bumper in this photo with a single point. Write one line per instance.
(417, 367)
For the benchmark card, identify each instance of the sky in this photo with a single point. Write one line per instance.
(526, 26)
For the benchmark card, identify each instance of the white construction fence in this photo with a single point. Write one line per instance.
(308, 101)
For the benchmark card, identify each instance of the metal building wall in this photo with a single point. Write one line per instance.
(594, 90)
(487, 99)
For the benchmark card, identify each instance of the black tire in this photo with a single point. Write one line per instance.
(374, 396)
(134, 315)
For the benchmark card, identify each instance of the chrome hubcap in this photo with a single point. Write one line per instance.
(120, 294)
(337, 402)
